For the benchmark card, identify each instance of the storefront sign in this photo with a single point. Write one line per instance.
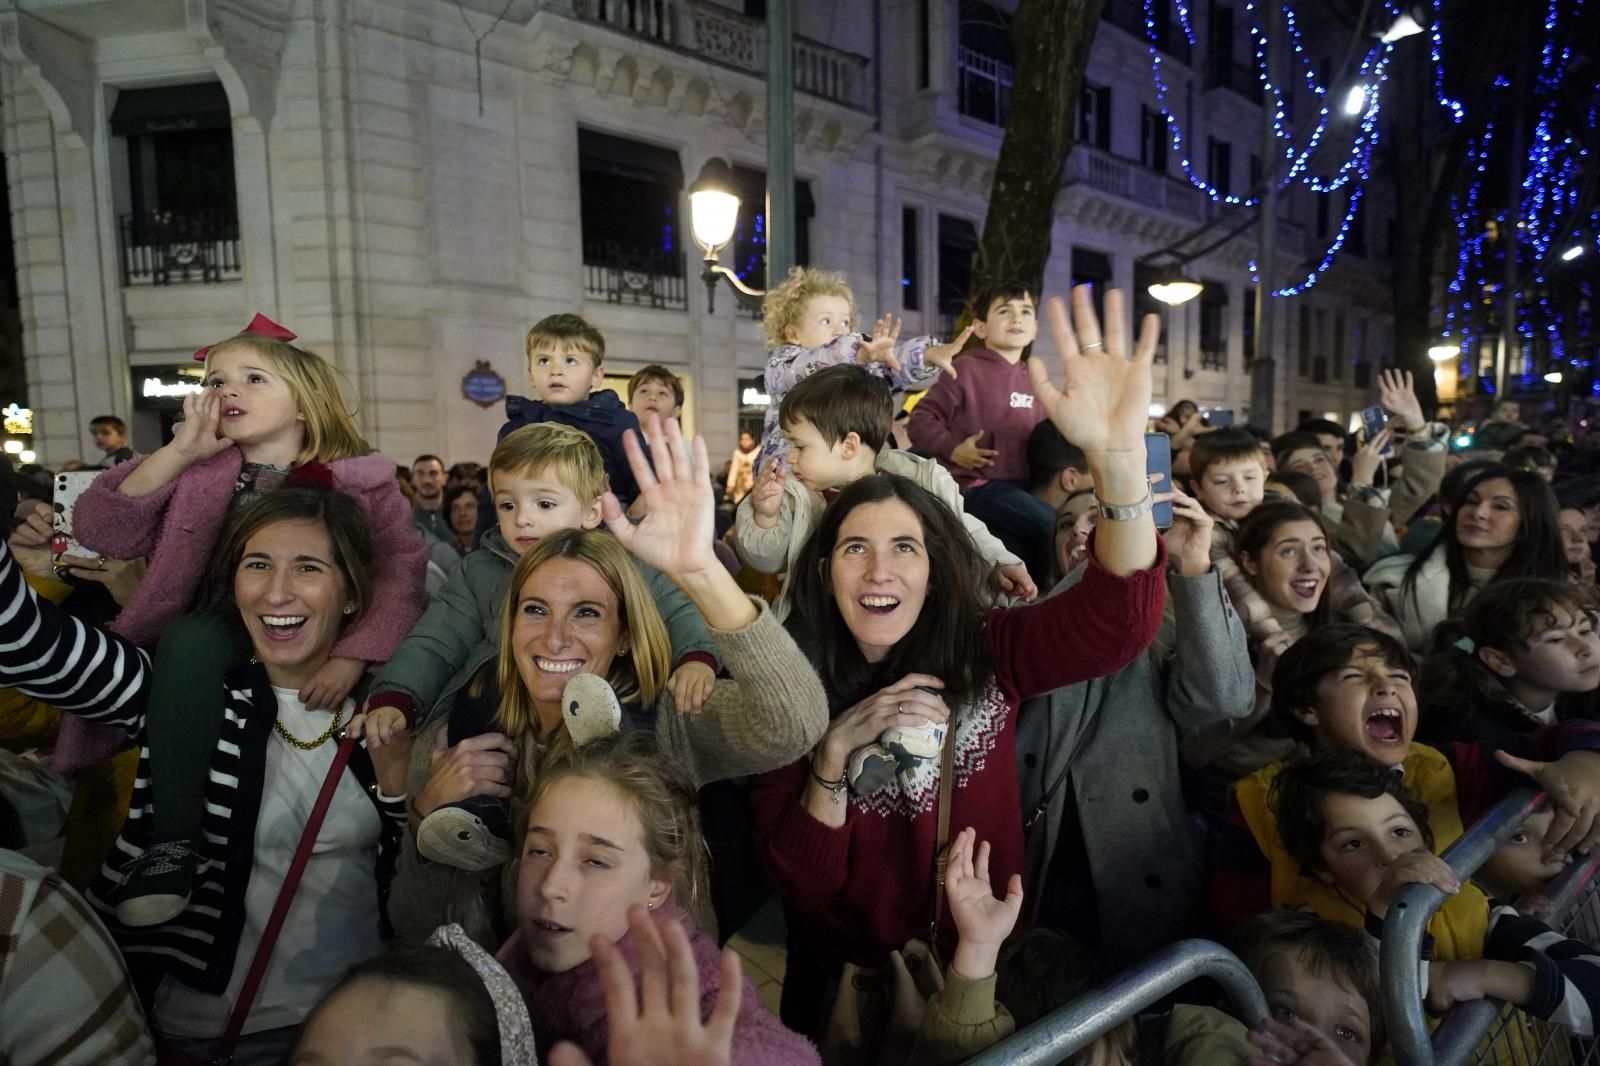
(17, 419)
(482, 385)
(155, 388)
(754, 397)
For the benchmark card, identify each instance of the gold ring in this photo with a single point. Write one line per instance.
(1096, 344)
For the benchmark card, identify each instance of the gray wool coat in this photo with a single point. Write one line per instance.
(1118, 736)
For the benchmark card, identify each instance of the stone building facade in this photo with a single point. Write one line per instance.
(409, 184)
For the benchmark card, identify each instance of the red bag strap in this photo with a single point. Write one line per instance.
(223, 1053)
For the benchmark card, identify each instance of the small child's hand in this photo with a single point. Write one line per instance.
(199, 436)
(880, 349)
(1412, 868)
(1450, 983)
(943, 356)
(387, 738)
(1296, 1041)
(982, 921)
(691, 685)
(967, 454)
(1016, 581)
(766, 499)
(379, 727)
(330, 686)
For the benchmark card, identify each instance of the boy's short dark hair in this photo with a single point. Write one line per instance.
(1319, 653)
(564, 329)
(1041, 970)
(1222, 446)
(1049, 453)
(1321, 425)
(426, 459)
(1300, 787)
(1287, 444)
(1004, 291)
(658, 373)
(1304, 487)
(1528, 457)
(1326, 948)
(110, 420)
(840, 400)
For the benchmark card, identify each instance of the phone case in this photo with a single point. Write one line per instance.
(69, 486)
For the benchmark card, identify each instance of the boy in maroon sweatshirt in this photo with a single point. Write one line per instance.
(976, 420)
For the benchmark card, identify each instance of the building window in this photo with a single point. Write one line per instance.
(1305, 342)
(1130, 16)
(1219, 165)
(1144, 276)
(958, 249)
(1255, 175)
(1093, 269)
(750, 232)
(1319, 361)
(1356, 242)
(1247, 334)
(1094, 116)
(628, 195)
(182, 222)
(1322, 215)
(1153, 139)
(1338, 346)
(910, 259)
(983, 63)
(1214, 326)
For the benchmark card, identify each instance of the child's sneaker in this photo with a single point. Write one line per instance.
(474, 834)
(910, 743)
(871, 767)
(157, 884)
(591, 709)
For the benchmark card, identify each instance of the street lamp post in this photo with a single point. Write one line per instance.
(713, 214)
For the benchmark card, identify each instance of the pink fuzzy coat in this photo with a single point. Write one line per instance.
(572, 1005)
(177, 526)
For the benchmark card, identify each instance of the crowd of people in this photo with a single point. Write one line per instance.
(311, 758)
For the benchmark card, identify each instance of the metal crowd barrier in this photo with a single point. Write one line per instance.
(1485, 1031)
(1078, 1024)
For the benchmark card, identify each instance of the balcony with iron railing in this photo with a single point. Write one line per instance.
(168, 247)
(1129, 15)
(635, 277)
(709, 31)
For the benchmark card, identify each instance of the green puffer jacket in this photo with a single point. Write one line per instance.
(460, 631)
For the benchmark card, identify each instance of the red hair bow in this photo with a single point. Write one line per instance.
(260, 326)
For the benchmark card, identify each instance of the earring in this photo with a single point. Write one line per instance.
(649, 906)
(349, 608)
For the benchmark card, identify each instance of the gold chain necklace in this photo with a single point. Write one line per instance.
(307, 745)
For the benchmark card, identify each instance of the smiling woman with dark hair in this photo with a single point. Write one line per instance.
(892, 587)
(295, 566)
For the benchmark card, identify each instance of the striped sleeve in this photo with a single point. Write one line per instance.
(1566, 987)
(48, 654)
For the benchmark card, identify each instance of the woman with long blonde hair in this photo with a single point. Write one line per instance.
(576, 605)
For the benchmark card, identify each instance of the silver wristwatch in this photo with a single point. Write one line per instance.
(1128, 513)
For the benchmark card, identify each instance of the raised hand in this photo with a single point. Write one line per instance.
(982, 921)
(1397, 396)
(678, 502)
(1573, 784)
(199, 436)
(1103, 403)
(766, 499)
(943, 356)
(1368, 458)
(880, 349)
(660, 1025)
(1298, 1042)
(1016, 581)
(1189, 539)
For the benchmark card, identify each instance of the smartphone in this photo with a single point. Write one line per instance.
(1220, 417)
(1373, 421)
(69, 486)
(1158, 460)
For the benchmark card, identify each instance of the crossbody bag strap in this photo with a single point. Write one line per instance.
(941, 847)
(223, 1052)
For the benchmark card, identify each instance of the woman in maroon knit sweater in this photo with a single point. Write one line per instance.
(890, 586)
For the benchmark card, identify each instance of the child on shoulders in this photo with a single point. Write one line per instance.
(836, 423)
(807, 320)
(565, 354)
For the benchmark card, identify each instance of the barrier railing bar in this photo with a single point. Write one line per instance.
(1408, 919)
(1078, 1024)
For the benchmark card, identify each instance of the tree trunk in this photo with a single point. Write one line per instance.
(1423, 181)
(1050, 42)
